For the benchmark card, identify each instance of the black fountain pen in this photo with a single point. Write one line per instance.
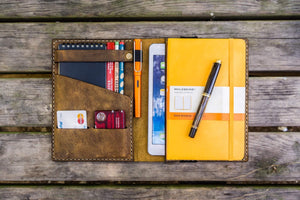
(205, 96)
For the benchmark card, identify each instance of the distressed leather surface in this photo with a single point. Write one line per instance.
(95, 144)
(91, 143)
(93, 55)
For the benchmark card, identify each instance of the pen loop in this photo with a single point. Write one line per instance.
(140, 58)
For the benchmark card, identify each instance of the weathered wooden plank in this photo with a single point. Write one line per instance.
(143, 192)
(273, 157)
(25, 101)
(273, 101)
(146, 9)
(26, 47)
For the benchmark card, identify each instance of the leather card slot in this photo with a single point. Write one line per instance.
(128, 77)
(91, 143)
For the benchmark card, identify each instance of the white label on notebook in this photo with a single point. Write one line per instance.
(239, 99)
(186, 99)
(71, 119)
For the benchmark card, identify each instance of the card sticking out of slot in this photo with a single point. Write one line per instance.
(90, 72)
(72, 119)
(110, 119)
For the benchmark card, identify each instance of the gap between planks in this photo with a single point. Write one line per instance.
(179, 184)
(251, 74)
(43, 130)
(147, 19)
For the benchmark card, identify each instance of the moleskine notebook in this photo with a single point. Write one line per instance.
(222, 132)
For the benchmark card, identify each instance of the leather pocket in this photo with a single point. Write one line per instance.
(90, 144)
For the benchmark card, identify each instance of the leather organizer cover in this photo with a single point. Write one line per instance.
(71, 94)
(129, 144)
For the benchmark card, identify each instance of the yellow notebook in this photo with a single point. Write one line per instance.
(222, 132)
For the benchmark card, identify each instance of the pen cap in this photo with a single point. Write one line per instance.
(117, 45)
(212, 77)
(122, 44)
(138, 44)
(137, 56)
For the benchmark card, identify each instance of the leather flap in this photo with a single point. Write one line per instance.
(92, 55)
(91, 143)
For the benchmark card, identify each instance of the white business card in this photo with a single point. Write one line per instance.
(72, 119)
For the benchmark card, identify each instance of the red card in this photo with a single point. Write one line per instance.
(109, 119)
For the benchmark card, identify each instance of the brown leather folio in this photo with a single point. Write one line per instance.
(91, 144)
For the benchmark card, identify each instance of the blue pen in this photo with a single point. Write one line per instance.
(121, 71)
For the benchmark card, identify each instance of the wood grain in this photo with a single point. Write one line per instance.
(148, 192)
(146, 9)
(272, 102)
(273, 45)
(273, 157)
(25, 101)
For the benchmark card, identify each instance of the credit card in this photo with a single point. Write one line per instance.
(109, 119)
(71, 119)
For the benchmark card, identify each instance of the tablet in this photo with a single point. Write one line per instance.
(156, 101)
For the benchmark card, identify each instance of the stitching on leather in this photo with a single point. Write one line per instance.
(247, 91)
(131, 131)
(53, 89)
